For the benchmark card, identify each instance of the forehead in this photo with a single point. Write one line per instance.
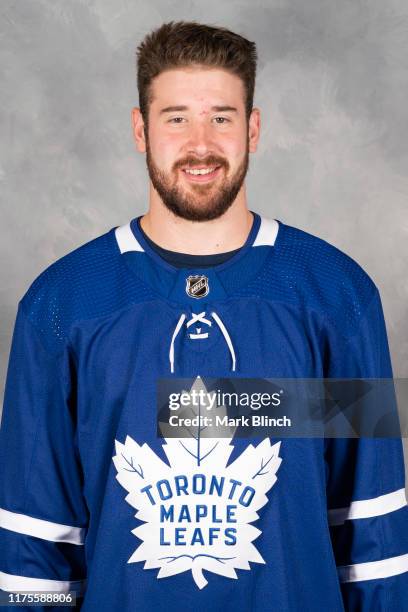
(197, 85)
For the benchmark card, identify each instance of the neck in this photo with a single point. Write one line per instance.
(220, 235)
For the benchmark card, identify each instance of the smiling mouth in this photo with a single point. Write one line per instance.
(201, 175)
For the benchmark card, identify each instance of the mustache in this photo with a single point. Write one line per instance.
(191, 162)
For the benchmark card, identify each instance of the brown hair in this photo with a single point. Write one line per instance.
(186, 43)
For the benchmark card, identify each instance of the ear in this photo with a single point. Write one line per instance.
(254, 129)
(138, 130)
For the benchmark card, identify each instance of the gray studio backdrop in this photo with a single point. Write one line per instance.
(332, 87)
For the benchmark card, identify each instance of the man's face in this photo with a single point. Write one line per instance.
(198, 144)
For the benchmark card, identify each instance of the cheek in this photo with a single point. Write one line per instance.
(166, 150)
(235, 152)
(162, 155)
(234, 146)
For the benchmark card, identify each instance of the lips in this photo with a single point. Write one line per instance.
(201, 178)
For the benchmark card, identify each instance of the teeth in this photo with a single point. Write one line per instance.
(201, 171)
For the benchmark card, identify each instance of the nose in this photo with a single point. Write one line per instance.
(200, 139)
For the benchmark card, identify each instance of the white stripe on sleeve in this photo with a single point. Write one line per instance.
(373, 569)
(368, 508)
(53, 532)
(10, 582)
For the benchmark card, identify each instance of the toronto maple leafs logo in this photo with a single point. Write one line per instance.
(196, 510)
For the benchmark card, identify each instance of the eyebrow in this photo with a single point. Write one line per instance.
(218, 109)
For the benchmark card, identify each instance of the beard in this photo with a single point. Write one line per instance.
(202, 202)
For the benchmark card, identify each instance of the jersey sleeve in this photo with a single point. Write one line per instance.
(367, 507)
(43, 513)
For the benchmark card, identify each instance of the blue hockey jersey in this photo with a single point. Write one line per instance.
(92, 500)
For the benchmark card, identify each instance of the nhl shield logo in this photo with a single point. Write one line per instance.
(197, 286)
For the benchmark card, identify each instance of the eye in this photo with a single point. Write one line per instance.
(176, 120)
(223, 120)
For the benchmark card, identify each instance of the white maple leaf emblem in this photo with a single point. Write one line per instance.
(196, 510)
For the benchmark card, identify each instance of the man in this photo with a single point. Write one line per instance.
(200, 287)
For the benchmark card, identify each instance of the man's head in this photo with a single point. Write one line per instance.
(196, 87)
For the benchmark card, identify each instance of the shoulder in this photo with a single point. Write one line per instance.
(318, 257)
(88, 282)
(75, 269)
(323, 277)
